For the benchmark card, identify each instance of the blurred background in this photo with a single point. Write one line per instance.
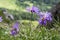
(28, 23)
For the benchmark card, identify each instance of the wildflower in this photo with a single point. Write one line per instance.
(42, 22)
(33, 9)
(1, 19)
(15, 29)
(45, 17)
(48, 16)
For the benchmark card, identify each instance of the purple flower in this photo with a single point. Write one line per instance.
(1, 19)
(33, 9)
(15, 29)
(45, 17)
(48, 16)
(13, 32)
(42, 22)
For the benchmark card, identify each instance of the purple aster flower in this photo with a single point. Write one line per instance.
(48, 16)
(45, 17)
(42, 22)
(1, 19)
(15, 29)
(13, 32)
(33, 9)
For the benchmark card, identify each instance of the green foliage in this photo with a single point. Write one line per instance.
(4, 16)
(28, 26)
(28, 31)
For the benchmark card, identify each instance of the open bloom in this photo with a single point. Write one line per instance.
(45, 17)
(33, 9)
(1, 19)
(15, 29)
(42, 22)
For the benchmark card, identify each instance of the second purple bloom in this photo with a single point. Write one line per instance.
(45, 17)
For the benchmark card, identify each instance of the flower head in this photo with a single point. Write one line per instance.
(15, 29)
(45, 17)
(1, 19)
(42, 22)
(33, 9)
(48, 16)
